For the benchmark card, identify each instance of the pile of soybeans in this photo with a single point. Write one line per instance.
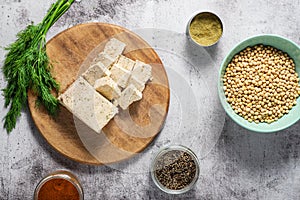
(261, 84)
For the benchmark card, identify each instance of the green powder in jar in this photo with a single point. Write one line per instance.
(206, 29)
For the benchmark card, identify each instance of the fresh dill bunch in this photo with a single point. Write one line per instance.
(27, 67)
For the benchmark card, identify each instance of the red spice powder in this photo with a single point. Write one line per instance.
(58, 189)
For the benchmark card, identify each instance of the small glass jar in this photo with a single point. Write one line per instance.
(210, 29)
(60, 182)
(160, 157)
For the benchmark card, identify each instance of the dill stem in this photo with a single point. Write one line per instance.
(49, 24)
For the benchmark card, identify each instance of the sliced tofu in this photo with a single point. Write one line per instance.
(125, 62)
(128, 96)
(114, 48)
(137, 83)
(108, 88)
(120, 75)
(142, 71)
(95, 72)
(105, 59)
(88, 105)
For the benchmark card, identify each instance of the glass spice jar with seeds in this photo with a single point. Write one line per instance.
(175, 169)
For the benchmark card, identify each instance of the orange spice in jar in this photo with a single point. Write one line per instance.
(60, 185)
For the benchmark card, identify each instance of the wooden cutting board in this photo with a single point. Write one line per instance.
(131, 131)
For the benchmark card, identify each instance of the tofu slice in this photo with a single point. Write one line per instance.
(140, 86)
(105, 59)
(114, 48)
(120, 75)
(95, 72)
(142, 71)
(128, 96)
(108, 88)
(125, 62)
(87, 105)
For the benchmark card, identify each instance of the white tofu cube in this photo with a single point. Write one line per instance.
(142, 71)
(108, 88)
(120, 75)
(114, 48)
(128, 96)
(125, 62)
(105, 59)
(87, 105)
(95, 72)
(137, 83)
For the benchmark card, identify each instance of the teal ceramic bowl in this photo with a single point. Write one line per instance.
(283, 44)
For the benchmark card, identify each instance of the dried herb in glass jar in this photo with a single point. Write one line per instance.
(175, 169)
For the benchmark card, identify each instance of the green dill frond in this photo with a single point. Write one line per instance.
(27, 66)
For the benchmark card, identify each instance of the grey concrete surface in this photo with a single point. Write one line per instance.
(241, 165)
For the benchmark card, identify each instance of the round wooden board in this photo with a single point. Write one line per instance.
(131, 131)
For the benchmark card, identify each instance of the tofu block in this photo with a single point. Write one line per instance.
(128, 96)
(142, 71)
(108, 88)
(137, 83)
(120, 75)
(125, 62)
(95, 72)
(105, 59)
(114, 48)
(87, 105)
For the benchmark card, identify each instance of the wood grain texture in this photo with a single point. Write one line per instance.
(131, 131)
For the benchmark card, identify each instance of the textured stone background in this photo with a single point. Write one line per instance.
(243, 165)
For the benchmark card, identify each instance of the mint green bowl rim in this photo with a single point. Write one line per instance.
(288, 119)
